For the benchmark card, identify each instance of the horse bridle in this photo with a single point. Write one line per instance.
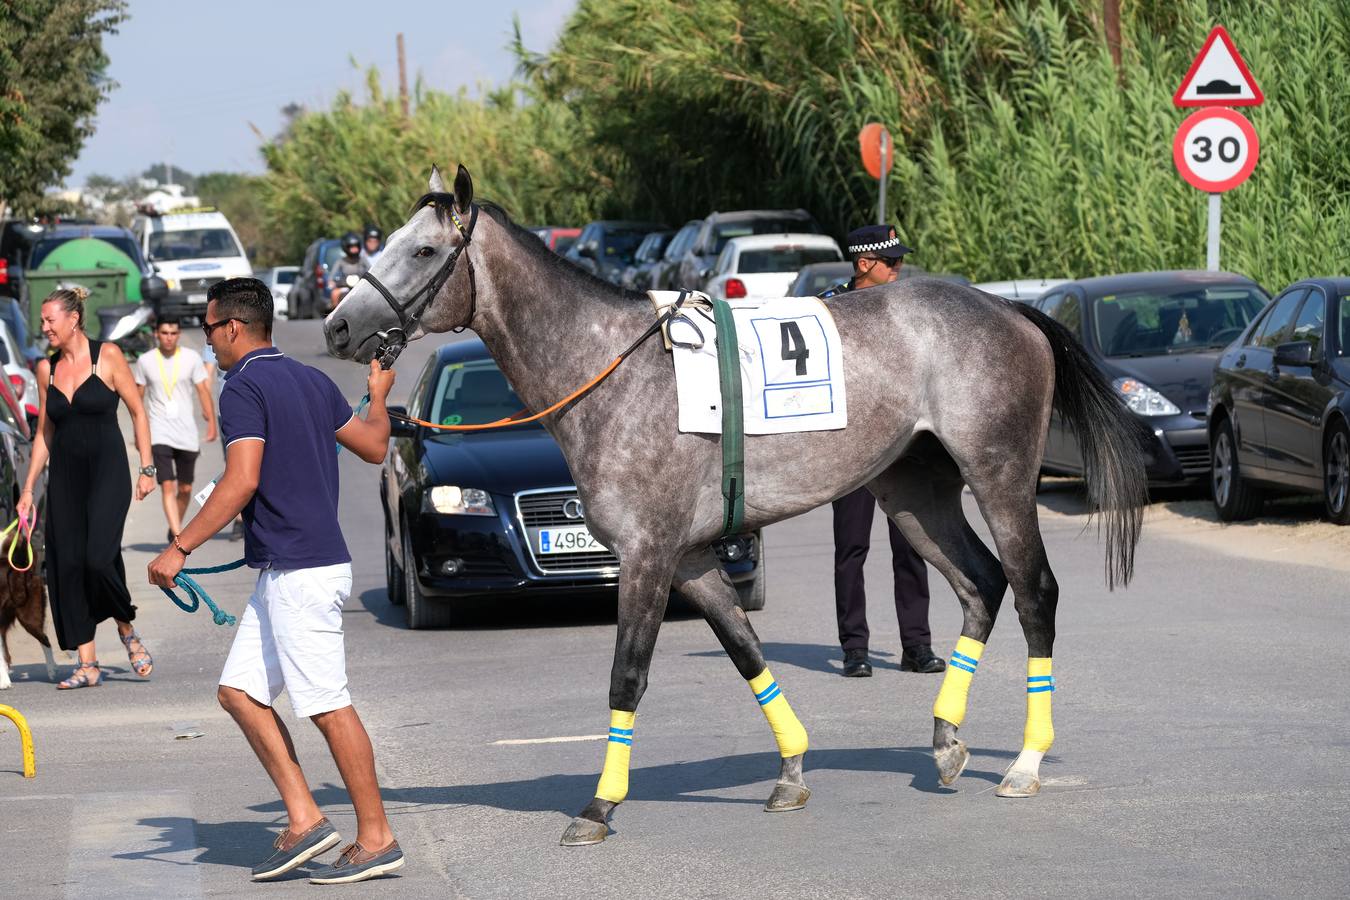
(393, 340)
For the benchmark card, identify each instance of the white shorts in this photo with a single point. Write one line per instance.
(290, 638)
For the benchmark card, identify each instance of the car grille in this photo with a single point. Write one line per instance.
(544, 509)
(195, 285)
(1194, 460)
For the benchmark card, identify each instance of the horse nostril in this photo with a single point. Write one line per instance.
(339, 335)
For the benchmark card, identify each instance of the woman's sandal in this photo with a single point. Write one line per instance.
(142, 663)
(80, 680)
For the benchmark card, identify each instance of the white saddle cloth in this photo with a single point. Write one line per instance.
(792, 366)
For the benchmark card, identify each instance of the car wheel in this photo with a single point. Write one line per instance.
(393, 576)
(750, 594)
(419, 612)
(1336, 474)
(1234, 498)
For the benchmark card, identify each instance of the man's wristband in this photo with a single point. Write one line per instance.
(180, 547)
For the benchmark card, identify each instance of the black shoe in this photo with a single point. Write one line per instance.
(856, 664)
(320, 838)
(921, 659)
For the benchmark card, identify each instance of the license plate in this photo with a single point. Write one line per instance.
(568, 539)
(196, 298)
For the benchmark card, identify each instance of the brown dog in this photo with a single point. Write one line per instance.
(23, 598)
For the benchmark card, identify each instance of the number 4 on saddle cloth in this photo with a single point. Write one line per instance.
(792, 371)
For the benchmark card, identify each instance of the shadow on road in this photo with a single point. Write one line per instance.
(814, 657)
(552, 611)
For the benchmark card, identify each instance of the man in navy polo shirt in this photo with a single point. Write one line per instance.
(278, 422)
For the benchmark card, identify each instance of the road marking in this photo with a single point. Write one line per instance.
(133, 846)
(551, 740)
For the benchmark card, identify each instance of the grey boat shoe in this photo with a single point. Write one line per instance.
(318, 838)
(356, 863)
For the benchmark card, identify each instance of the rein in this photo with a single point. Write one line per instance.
(672, 312)
(393, 340)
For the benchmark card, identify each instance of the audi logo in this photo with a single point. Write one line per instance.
(572, 508)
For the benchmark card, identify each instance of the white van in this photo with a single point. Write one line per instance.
(191, 250)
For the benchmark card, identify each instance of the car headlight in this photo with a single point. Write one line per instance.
(171, 284)
(1144, 400)
(457, 501)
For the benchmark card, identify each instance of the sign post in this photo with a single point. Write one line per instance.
(878, 155)
(1215, 148)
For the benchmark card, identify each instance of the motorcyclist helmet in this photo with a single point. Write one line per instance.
(351, 243)
(373, 231)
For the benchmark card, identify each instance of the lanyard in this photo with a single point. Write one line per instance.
(164, 378)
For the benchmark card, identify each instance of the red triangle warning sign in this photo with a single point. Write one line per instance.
(1218, 77)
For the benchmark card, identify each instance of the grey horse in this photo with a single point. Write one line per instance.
(947, 387)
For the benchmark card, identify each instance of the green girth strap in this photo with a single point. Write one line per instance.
(733, 419)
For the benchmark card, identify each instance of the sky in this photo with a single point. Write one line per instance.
(192, 75)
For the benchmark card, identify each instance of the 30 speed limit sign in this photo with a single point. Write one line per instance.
(1215, 149)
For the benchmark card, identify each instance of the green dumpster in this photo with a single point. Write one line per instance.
(107, 287)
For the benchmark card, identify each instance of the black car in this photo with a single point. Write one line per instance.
(1280, 403)
(1156, 337)
(638, 275)
(606, 248)
(495, 513)
(309, 295)
(696, 262)
(664, 269)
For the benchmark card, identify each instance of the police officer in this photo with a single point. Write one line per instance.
(877, 256)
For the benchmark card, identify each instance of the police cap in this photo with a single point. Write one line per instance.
(876, 240)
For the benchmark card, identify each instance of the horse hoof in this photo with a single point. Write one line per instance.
(1019, 784)
(951, 762)
(787, 797)
(583, 832)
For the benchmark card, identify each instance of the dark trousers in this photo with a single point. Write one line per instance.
(852, 537)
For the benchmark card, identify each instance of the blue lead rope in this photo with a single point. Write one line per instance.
(197, 595)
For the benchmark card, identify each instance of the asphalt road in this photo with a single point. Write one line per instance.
(1201, 724)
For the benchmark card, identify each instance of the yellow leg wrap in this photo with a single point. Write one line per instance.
(613, 784)
(1040, 731)
(787, 730)
(950, 705)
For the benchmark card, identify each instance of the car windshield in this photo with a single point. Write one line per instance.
(621, 245)
(43, 248)
(1187, 319)
(286, 276)
(811, 283)
(474, 392)
(783, 259)
(725, 231)
(197, 243)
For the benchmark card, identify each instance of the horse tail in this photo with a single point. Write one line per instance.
(1110, 438)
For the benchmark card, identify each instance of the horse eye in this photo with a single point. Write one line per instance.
(424, 252)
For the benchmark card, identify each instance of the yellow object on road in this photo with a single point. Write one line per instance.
(25, 736)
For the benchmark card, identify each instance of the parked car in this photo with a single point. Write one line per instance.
(766, 265)
(559, 240)
(695, 264)
(16, 241)
(1280, 404)
(1156, 337)
(309, 295)
(664, 269)
(637, 276)
(1023, 290)
(279, 280)
(606, 248)
(817, 277)
(21, 379)
(495, 513)
(191, 250)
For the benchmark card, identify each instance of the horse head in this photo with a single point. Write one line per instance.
(422, 283)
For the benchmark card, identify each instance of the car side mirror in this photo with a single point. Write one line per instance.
(153, 289)
(398, 427)
(1294, 353)
(587, 250)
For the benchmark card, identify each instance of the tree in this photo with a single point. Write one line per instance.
(52, 80)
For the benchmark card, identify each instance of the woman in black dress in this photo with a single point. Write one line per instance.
(88, 488)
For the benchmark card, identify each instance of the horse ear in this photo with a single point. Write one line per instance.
(463, 189)
(436, 185)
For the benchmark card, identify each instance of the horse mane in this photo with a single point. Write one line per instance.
(444, 201)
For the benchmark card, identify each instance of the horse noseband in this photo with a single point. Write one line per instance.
(393, 340)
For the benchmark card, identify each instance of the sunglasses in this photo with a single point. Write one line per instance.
(208, 327)
(888, 263)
